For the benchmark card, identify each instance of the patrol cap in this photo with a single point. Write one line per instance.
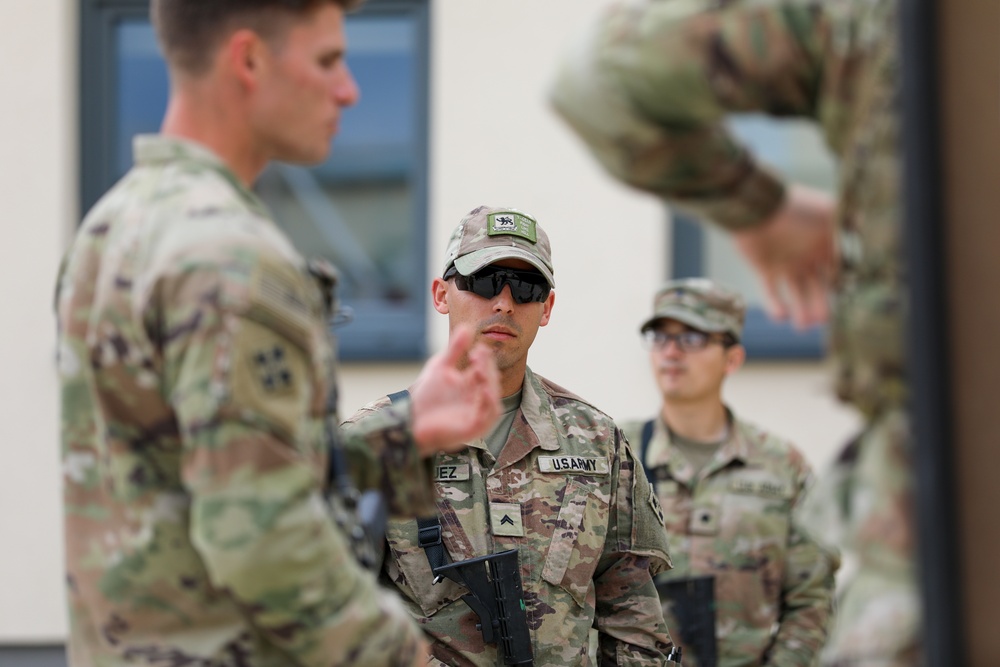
(488, 234)
(701, 304)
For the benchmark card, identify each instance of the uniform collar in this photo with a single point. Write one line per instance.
(534, 424)
(158, 150)
(737, 448)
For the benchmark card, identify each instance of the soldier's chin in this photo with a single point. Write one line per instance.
(306, 156)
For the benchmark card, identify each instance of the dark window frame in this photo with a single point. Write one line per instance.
(378, 334)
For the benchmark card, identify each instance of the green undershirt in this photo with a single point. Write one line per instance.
(498, 436)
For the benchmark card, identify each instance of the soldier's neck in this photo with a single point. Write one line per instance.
(703, 421)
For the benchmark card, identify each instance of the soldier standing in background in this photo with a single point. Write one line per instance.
(197, 371)
(554, 479)
(728, 490)
(648, 90)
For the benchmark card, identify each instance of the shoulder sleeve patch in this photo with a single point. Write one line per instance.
(283, 298)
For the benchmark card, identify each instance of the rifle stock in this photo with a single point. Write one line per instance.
(496, 597)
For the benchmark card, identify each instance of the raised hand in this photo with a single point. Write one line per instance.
(794, 255)
(456, 398)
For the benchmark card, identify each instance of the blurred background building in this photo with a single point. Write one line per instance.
(452, 115)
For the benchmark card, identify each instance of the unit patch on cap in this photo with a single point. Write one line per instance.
(511, 223)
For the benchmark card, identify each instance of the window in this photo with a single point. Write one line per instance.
(364, 209)
(796, 150)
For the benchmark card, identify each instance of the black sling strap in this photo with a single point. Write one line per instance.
(428, 528)
(647, 436)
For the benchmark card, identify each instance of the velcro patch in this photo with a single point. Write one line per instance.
(574, 465)
(511, 223)
(704, 521)
(280, 299)
(272, 369)
(760, 488)
(506, 519)
(451, 472)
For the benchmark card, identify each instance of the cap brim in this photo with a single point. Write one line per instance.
(685, 317)
(477, 259)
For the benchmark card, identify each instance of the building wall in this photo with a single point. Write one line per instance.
(37, 191)
(493, 141)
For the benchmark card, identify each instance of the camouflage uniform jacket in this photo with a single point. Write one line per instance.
(773, 585)
(195, 365)
(591, 542)
(649, 91)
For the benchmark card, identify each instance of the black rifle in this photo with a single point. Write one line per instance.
(693, 604)
(496, 596)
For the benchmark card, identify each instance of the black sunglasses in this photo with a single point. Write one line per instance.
(488, 282)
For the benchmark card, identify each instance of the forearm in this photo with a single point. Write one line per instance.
(806, 604)
(382, 454)
(629, 619)
(649, 89)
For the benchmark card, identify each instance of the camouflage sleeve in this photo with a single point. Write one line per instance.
(648, 89)
(246, 366)
(807, 596)
(629, 617)
(389, 463)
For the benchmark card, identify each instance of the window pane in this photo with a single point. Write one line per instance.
(356, 209)
(364, 208)
(142, 87)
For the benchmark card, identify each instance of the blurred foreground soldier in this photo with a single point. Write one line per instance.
(554, 480)
(728, 490)
(648, 91)
(196, 372)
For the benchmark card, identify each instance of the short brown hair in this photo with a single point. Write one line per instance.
(188, 30)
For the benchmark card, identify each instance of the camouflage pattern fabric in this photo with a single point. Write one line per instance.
(648, 91)
(587, 526)
(701, 304)
(773, 584)
(863, 504)
(488, 234)
(195, 365)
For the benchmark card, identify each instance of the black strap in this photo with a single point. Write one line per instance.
(647, 436)
(428, 528)
(429, 539)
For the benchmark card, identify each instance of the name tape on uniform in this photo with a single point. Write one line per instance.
(574, 465)
(760, 488)
(451, 472)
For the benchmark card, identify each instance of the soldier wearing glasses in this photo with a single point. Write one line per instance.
(554, 480)
(727, 489)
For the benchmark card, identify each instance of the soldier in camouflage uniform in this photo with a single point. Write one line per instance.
(196, 368)
(728, 490)
(648, 90)
(554, 479)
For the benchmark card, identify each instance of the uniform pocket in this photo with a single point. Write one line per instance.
(577, 541)
(409, 568)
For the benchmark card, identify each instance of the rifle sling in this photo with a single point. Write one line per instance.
(647, 436)
(428, 528)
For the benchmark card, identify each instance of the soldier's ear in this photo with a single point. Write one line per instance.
(735, 356)
(547, 308)
(439, 295)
